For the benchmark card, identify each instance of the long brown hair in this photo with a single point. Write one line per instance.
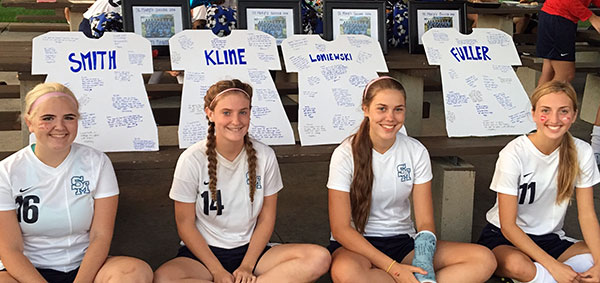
(362, 146)
(215, 92)
(568, 166)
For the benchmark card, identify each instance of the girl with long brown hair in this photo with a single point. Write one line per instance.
(225, 192)
(372, 174)
(535, 178)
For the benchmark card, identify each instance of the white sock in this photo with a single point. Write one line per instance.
(596, 143)
(542, 275)
(580, 263)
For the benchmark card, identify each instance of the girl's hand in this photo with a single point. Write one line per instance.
(591, 275)
(222, 276)
(563, 273)
(244, 275)
(403, 273)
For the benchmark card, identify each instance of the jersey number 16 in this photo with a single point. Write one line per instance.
(27, 208)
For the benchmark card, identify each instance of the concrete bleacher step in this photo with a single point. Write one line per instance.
(10, 109)
(40, 18)
(36, 27)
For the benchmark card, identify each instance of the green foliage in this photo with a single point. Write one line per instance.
(585, 24)
(8, 14)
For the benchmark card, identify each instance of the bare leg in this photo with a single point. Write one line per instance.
(124, 269)
(521, 24)
(293, 263)
(460, 262)
(349, 266)
(182, 269)
(547, 72)
(564, 71)
(576, 249)
(513, 263)
(67, 13)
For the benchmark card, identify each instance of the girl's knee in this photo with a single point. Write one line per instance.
(319, 259)
(130, 270)
(485, 259)
(517, 265)
(342, 271)
(162, 275)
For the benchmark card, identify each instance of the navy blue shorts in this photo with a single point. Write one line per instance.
(396, 247)
(85, 27)
(230, 259)
(491, 237)
(555, 37)
(54, 276)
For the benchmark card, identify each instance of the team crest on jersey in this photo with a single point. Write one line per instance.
(80, 186)
(403, 172)
(258, 185)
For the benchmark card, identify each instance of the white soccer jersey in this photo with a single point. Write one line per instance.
(396, 171)
(103, 6)
(229, 222)
(596, 143)
(523, 171)
(55, 206)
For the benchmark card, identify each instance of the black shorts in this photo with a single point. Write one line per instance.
(491, 237)
(230, 259)
(555, 37)
(54, 276)
(396, 247)
(85, 27)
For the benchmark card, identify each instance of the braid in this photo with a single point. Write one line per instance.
(211, 153)
(251, 152)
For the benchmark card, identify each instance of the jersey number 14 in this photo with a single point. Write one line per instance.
(214, 205)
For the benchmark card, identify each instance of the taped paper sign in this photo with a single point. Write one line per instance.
(482, 94)
(245, 55)
(106, 76)
(331, 79)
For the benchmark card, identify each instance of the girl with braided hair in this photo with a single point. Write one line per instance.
(372, 174)
(225, 191)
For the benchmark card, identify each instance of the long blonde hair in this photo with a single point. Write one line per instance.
(362, 180)
(211, 143)
(568, 166)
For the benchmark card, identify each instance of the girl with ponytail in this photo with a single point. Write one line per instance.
(225, 192)
(372, 174)
(535, 178)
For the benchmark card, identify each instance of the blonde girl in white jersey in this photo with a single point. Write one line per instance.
(535, 178)
(58, 202)
(371, 177)
(225, 192)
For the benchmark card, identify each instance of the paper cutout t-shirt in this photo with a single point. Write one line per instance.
(482, 94)
(331, 79)
(106, 77)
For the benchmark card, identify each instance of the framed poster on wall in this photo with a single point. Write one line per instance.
(156, 20)
(355, 17)
(423, 16)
